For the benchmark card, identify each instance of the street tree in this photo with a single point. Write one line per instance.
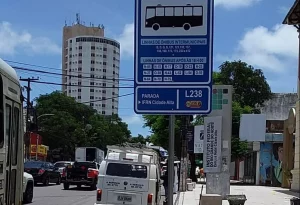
(74, 124)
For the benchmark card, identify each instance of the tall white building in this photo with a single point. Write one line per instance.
(91, 65)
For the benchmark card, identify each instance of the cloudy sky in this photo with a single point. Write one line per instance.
(250, 30)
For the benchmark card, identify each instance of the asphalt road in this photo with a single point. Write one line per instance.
(56, 195)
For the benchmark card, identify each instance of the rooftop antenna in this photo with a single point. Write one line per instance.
(77, 18)
(65, 22)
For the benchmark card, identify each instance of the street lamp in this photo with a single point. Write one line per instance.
(44, 115)
(293, 18)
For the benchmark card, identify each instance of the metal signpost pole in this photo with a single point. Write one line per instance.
(171, 159)
(173, 60)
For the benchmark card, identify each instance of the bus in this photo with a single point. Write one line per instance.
(173, 16)
(11, 137)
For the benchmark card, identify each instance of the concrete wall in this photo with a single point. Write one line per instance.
(279, 106)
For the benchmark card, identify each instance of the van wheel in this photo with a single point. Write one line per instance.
(155, 26)
(78, 186)
(28, 195)
(66, 186)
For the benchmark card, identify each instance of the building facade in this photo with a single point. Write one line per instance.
(91, 65)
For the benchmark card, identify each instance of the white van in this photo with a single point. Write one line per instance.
(128, 178)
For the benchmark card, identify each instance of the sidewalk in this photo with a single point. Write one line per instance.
(256, 195)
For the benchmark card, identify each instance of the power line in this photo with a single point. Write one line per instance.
(87, 86)
(66, 75)
(51, 68)
(119, 96)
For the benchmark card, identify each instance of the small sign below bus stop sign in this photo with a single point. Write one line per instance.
(173, 47)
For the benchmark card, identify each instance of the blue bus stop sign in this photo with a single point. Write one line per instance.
(173, 56)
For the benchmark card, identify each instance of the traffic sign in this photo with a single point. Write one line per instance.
(170, 99)
(173, 55)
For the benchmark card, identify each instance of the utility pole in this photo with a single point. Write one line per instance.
(28, 106)
(184, 154)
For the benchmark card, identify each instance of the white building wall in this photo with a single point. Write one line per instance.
(97, 67)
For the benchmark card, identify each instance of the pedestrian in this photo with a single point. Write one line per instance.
(165, 182)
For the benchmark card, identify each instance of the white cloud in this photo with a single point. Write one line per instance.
(283, 10)
(233, 4)
(134, 120)
(12, 41)
(270, 49)
(126, 40)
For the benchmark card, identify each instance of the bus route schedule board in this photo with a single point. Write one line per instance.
(173, 56)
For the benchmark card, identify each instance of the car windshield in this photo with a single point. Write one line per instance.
(33, 164)
(61, 164)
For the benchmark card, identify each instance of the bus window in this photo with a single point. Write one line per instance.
(150, 13)
(15, 136)
(198, 11)
(160, 11)
(8, 130)
(178, 11)
(169, 11)
(1, 115)
(188, 11)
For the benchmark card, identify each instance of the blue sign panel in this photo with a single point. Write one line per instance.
(174, 100)
(173, 48)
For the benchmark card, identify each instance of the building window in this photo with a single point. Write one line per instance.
(104, 63)
(79, 69)
(79, 83)
(103, 105)
(114, 65)
(104, 70)
(103, 84)
(103, 91)
(80, 54)
(92, 47)
(69, 91)
(92, 54)
(70, 49)
(91, 83)
(92, 97)
(79, 76)
(79, 97)
(113, 107)
(103, 112)
(79, 90)
(104, 56)
(80, 62)
(104, 49)
(92, 69)
(92, 62)
(113, 93)
(104, 77)
(91, 90)
(80, 47)
(92, 76)
(70, 41)
(91, 104)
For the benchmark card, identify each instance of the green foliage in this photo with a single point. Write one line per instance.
(238, 148)
(159, 126)
(250, 85)
(139, 139)
(67, 128)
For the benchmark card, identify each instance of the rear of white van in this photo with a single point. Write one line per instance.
(126, 183)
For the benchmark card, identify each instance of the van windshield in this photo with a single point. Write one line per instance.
(126, 170)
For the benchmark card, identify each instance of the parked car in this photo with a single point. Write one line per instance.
(62, 168)
(43, 172)
(28, 184)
